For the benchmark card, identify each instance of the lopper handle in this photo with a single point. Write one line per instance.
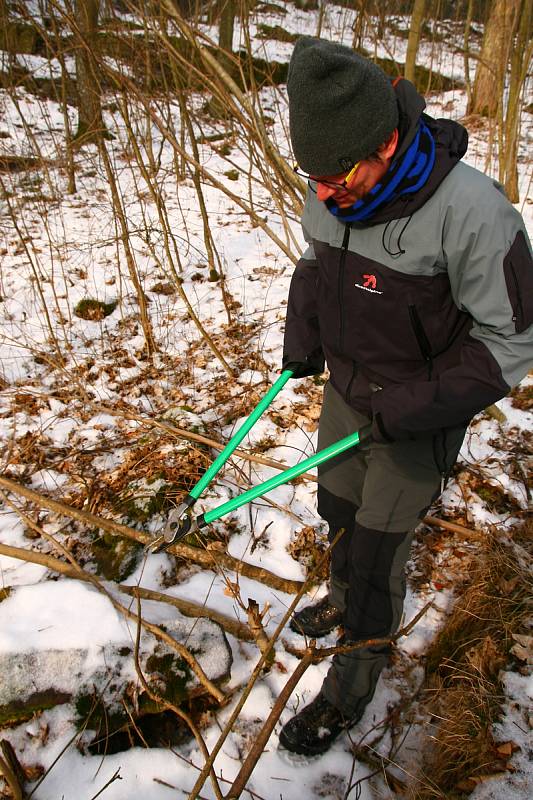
(237, 438)
(361, 437)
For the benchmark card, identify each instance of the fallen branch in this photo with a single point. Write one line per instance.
(454, 527)
(187, 607)
(198, 437)
(238, 629)
(212, 559)
(320, 653)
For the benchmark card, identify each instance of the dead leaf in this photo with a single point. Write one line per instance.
(523, 649)
(507, 749)
(232, 589)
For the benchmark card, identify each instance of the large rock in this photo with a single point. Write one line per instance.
(102, 682)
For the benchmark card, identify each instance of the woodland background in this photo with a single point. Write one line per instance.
(148, 227)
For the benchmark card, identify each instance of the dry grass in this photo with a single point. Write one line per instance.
(463, 692)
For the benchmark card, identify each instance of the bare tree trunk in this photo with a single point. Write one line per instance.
(226, 25)
(520, 60)
(69, 149)
(414, 37)
(358, 25)
(488, 83)
(321, 14)
(466, 39)
(4, 22)
(90, 123)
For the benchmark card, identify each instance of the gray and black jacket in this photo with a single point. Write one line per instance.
(424, 315)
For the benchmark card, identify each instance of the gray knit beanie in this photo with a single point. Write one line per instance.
(342, 107)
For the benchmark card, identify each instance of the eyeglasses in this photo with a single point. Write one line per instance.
(332, 184)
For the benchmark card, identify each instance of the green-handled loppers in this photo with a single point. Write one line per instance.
(180, 522)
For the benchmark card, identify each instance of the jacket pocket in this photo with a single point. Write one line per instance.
(421, 337)
(518, 272)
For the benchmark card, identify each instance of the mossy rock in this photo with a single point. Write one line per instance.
(94, 310)
(35, 681)
(19, 37)
(19, 711)
(116, 557)
(114, 730)
(119, 716)
(172, 675)
(275, 32)
(140, 500)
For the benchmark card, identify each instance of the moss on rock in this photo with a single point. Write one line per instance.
(94, 310)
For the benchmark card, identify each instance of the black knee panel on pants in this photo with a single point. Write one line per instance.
(340, 515)
(375, 582)
(337, 512)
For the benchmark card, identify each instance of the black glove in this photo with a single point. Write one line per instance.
(311, 365)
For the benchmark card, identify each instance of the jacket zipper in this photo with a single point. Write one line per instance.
(519, 315)
(422, 339)
(345, 240)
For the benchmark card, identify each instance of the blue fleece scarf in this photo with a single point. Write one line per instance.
(404, 176)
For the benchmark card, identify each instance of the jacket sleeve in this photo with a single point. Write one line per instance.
(490, 269)
(302, 349)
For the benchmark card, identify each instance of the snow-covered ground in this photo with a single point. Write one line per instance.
(66, 249)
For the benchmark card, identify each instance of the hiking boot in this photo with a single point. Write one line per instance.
(316, 620)
(315, 728)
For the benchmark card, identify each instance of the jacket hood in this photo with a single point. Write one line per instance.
(451, 142)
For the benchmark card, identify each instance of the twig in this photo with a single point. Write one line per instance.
(375, 762)
(59, 755)
(255, 622)
(11, 770)
(116, 777)
(255, 674)
(254, 755)
(167, 704)
(321, 653)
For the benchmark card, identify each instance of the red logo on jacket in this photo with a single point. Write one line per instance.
(370, 281)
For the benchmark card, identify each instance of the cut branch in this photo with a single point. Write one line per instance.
(212, 559)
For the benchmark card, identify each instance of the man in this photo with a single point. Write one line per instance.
(417, 290)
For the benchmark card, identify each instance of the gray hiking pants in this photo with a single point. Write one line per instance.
(376, 496)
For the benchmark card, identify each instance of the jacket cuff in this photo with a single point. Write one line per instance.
(312, 364)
